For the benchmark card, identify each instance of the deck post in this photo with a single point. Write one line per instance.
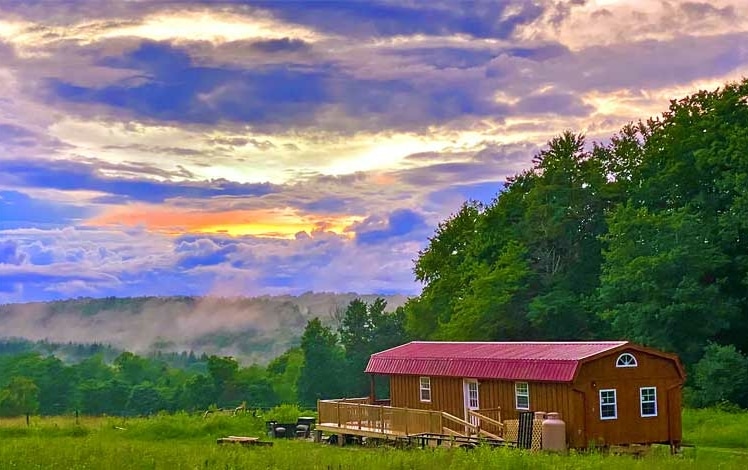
(381, 417)
(338, 403)
(441, 422)
(372, 389)
(358, 411)
(405, 416)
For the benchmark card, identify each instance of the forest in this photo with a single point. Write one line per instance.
(643, 237)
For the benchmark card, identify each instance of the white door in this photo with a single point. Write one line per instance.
(472, 400)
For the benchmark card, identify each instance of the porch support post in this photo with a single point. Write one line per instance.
(372, 389)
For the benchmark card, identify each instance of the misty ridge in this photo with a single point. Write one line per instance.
(252, 329)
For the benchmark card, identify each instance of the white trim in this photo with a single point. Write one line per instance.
(615, 404)
(624, 360)
(525, 394)
(426, 389)
(642, 402)
(466, 383)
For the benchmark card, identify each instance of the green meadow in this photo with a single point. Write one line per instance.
(182, 441)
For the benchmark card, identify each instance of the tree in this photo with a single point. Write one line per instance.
(323, 371)
(284, 372)
(366, 329)
(661, 284)
(145, 399)
(19, 397)
(440, 268)
(134, 369)
(223, 371)
(491, 305)
(254, 387)
(103, 397)
(198, 393)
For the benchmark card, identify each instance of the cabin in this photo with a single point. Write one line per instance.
(607, 393)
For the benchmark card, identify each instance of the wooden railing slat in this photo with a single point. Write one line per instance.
(486, 418)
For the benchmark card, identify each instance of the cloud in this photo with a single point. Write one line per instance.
(20, 210)
(399, 223)
(9, 253)
(161, 148)
(553, 103)
(76, 175)
(487, 19)
(171, 87)
(202, 252)
(272, 46)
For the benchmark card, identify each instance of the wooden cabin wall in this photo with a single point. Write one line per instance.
(447, 394)
(630, 427)
(544, 396)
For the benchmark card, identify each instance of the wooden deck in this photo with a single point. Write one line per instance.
(359, 418)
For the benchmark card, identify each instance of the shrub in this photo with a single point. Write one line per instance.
(720, 378)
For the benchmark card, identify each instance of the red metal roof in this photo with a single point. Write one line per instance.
(546, 361)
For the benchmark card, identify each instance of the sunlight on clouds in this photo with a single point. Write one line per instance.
(608, 22)
(10, 29)
(652, 102)
(381, 154)
(211, 26)
(217, 27)
(269, 223)
(229, 154)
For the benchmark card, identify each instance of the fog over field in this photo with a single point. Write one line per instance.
(257, 328)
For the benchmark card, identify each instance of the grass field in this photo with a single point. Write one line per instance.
(188, 442)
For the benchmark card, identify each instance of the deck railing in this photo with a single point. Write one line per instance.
(357, 414)
(489, 420)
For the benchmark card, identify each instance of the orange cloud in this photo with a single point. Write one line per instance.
(270, 223)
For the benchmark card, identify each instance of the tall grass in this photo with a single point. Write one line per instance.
(184, 441)
(715, 428)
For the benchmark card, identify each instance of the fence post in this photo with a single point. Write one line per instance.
(338, 414)
(405, 416)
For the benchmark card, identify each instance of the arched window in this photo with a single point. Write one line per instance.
(626, 360)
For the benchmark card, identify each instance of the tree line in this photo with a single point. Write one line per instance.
(643, 237)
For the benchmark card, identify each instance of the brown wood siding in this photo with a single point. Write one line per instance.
(447, 394)
(629, 426)
(544, 396)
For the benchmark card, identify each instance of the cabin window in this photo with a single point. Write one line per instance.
(522, 395)
(626, 360)
(608, 405)
(425, 388)
(648, 401)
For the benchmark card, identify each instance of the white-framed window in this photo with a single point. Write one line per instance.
(425, 388)
(522, 395)
(608, 404)
(648, 401)
(626, 360)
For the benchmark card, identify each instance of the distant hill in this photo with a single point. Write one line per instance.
(253, 329)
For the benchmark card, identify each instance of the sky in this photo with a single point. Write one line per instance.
(244, 148)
